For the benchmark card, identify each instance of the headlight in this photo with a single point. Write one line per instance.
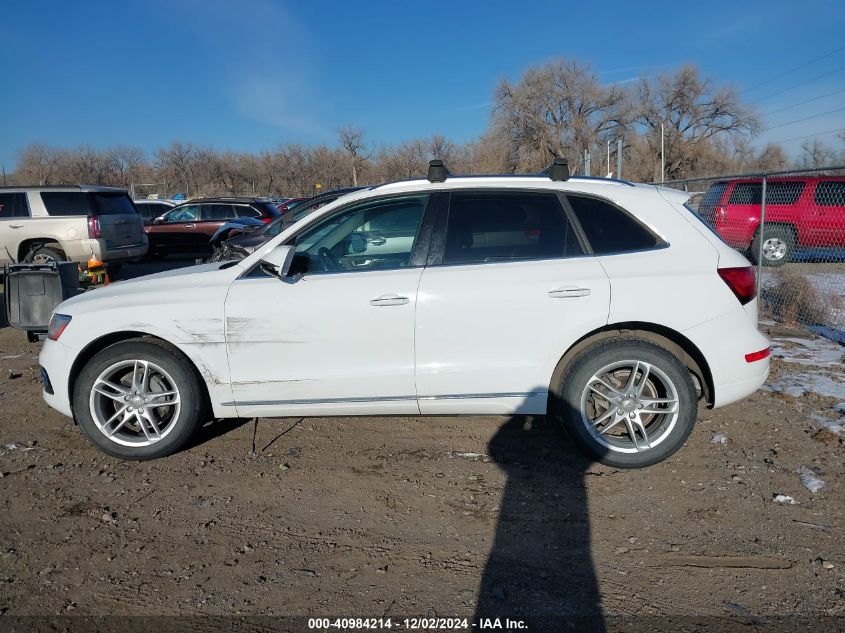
(58, 323)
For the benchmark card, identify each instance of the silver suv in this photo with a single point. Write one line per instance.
(69, 223)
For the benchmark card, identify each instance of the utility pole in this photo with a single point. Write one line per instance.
(4, 175)
(619, 158)
(662, 155)
(607, 171)
(587, 162)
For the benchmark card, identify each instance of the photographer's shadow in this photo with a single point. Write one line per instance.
(540, 567)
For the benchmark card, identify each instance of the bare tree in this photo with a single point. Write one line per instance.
(352, 141)
(556, 110)
(694, 113)
(814, 153)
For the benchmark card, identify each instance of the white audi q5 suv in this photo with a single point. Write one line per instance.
(605, 304)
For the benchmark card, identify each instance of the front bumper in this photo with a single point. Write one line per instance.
(56, 361)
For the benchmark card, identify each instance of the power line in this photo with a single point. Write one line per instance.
(806, 118)
(800, 138)
(795, 105)
(792, 70)
(798, 85)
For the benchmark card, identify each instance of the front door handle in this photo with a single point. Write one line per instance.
(16, 226)
(568, 292)
(389, 300)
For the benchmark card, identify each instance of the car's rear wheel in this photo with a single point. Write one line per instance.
(628, 402)
(778, 244)
(46, 255)
(138, 400)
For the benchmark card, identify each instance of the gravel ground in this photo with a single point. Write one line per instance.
(399, 517)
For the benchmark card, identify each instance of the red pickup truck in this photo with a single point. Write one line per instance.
(800, 212)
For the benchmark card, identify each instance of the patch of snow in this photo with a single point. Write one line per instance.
(802, 351)
(809, 479)
(798, 384)
(785, 499)
(834, 426)
(719, 438)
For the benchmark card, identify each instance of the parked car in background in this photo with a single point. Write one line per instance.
(289, 204)
(149, 210)
(238, 245)
(70, 223)
(447, 296)
(188, 228)
(801, 212)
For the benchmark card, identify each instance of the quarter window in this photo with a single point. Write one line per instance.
(504, 226)
(830, 193)
(609, 229)
(247, 212)
(776, 192)
(13, 205)
(374, 235)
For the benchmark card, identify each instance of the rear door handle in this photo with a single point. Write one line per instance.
(16, 226)
(568, 292)
(389, 300)
(190, 226)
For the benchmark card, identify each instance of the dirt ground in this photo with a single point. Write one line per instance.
(398, 517)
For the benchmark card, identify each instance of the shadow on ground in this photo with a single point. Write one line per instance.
(540, 568)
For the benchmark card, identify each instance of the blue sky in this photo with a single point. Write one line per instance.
(249, 74)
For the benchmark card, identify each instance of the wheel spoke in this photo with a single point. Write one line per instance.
(118, 392)
(126, 417)
(630, 426)
(614, 390)
(618, 418)
(602, 394)
(604, 416)
(639, 388)
(164, 394)
(638, 422)
(149, 418)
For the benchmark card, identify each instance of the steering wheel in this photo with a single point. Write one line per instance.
(328, 261)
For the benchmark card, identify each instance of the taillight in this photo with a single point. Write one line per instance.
(534, 234)
(755, 356)
(94, 227)
(741, 281)
(266, 220)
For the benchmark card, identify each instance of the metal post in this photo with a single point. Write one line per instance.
(619, 158)
(662, 155)
(762, 242)
(587, 162)
(607, 171)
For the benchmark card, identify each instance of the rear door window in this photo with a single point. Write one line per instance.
(830, 193)
(13, 205)
(609, 229)
(217, 212)
(746, 193)
(504, 226)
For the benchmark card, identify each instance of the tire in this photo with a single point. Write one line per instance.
(44, 254)
(778, 246)
(581, 402)
(175, 422)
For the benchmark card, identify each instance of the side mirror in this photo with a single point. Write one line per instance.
(159, 220)
(277, 262)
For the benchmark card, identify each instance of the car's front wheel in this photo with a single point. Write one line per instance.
(628, 402)
(139, 400)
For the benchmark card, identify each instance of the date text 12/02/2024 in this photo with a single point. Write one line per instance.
(351, 624)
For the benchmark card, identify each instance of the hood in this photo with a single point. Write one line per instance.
(190, 277)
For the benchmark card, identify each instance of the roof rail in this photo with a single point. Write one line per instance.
(437, 171)
(558, 170)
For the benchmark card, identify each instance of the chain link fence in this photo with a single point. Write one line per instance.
(791, 224)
